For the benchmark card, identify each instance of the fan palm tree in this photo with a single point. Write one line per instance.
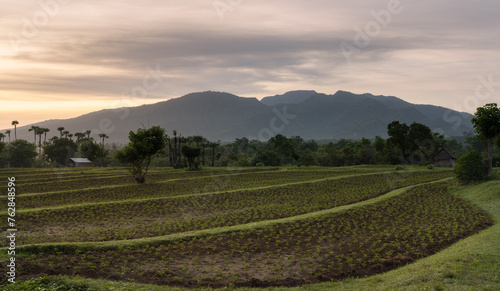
(87, 132)
(60, 129)
(39, 131)
(102, 136)
(15, 123)
(70, 136)
(79, 136)
(34, 129)
(45, 130)
(66, 133)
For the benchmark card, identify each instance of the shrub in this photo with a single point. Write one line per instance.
(430, 166)
(469, 168)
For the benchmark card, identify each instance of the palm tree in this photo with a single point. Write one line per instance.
(34, 128)
(15, 123)
(60, 129)
(87, 132)
(7, 132)
(79, 136)
(45, 130)
(39, 131)
(66, 133)
(103, 136)
(2, 137)
(174, 160)
(213, 145)
(70, 136)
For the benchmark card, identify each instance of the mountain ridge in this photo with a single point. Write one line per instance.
(224, 116)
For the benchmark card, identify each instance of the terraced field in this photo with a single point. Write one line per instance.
(232, 227)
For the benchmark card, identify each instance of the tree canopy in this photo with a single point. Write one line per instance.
(487, 124)
(142, 146)
(60, 150)
(21, 153)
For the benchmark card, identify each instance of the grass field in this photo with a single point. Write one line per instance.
(312, 228)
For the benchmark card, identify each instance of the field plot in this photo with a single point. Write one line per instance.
(355, 243)
(179, 183)
(105, 208)
(156, 217)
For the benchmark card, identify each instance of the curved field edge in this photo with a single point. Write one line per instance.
(74, 247)
(375, 210)
(471, 263)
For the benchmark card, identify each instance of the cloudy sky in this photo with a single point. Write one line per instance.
(64, 58)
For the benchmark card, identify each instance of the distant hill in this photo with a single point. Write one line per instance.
(224, 116)
(292, 97)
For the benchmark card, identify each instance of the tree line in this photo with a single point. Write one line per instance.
(406, 144)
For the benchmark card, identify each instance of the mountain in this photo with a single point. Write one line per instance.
(292, 97)
(224, 116)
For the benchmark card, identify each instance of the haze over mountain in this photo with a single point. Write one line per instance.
(224, 116)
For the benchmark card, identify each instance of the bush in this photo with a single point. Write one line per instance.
(469, 168)
(430, 166)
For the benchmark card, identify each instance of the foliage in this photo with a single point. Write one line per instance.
(266, 158)
(92, 151)
(469, 168)
(2, 147)
(487, 124)
(191, 153)
(60, 150)
(415, 142)
(142, 146)
(487, 121)
(21, 153)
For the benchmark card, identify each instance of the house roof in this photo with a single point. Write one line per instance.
(80, 160)
(444, 154)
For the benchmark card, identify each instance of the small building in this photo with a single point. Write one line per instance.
(79, 162)
(445, 158)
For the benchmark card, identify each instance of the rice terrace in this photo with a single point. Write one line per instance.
(307, 227)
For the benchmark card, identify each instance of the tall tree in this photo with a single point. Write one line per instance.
(45, 130)
(198, 140)
(34, 129)
(39, 131)
(79, 136)
(7, 132)
(65, 133)
(87, 132)
(398, 136)
(487, 124)
(102, 136)
(2, 137)
(174, 161)
(142, 146)
(15, 123)
(191, 153)
(213, 146)
(60, 129)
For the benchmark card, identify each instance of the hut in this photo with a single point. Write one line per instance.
(445, 158)
(79, 162)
